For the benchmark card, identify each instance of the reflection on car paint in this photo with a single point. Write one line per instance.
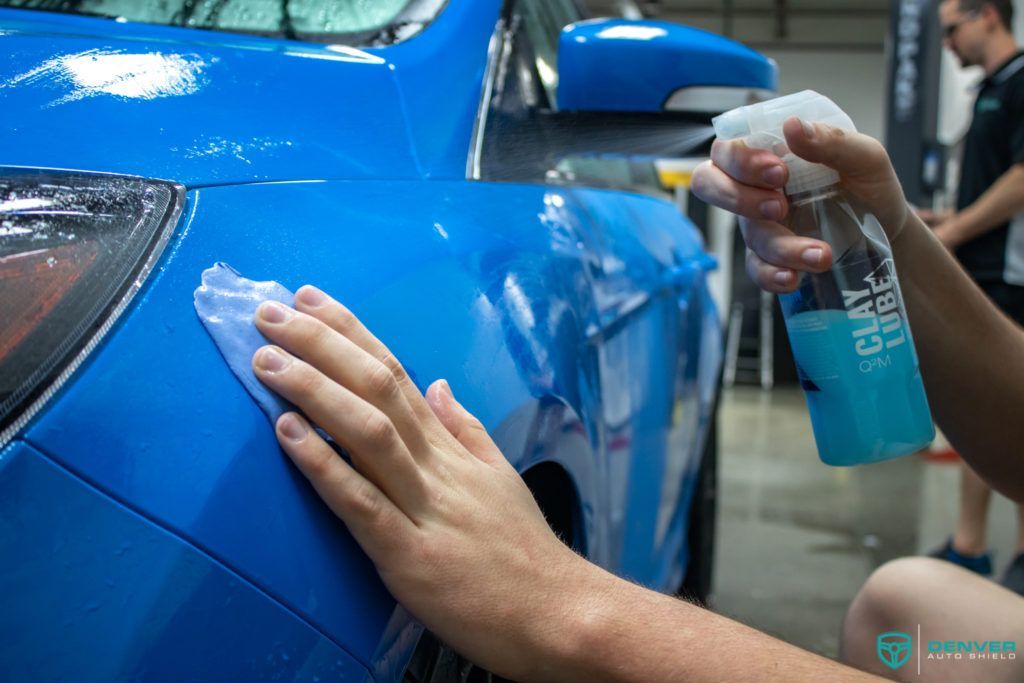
(334, 53)
(145, 76)
(628, 33)
(216, 146)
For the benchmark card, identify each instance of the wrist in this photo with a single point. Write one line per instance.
(915, 253)
(909, 222)
(951, 232)
(578, 623)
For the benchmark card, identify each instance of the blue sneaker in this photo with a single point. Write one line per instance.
(979, 564)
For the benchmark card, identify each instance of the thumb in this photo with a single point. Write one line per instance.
(852, 154)
(460, 423)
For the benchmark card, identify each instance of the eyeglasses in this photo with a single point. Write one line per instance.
(950, 29)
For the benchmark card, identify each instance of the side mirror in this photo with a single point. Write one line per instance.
(620, 65)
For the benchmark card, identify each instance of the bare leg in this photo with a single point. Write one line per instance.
(1013, 575)
(948, 603)
(1020, 528)
(975, 494)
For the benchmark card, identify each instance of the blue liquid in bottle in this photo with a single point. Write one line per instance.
(862, 409)
(851, 340)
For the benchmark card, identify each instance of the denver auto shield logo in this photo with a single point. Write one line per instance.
(894, 648)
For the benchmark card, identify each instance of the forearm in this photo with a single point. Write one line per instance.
(972, 358)
(998, 205)
(624, 632)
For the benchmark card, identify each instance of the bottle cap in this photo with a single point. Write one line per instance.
(760, 125)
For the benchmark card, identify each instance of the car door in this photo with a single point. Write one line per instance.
(646, 268)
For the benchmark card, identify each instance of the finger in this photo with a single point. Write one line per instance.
(749, 165)
(771, 278)
(460, 423)
(377, 450)
(372, 518)
(777, 245)
(715, 187)
(316, 303)
(342, 361)
(851, 153)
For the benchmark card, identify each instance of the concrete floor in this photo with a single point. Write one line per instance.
(797, 538)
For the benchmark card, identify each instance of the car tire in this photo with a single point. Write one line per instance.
(697, 583)
(435, 662)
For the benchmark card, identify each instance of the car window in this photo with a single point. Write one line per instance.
(544, 21)
(350, 22)
(523, 137)
(513, 133)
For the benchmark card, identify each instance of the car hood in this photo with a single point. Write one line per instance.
(201, 108)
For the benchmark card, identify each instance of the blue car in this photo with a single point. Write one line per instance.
(414, 158)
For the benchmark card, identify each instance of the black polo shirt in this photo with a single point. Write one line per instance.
(994, 143)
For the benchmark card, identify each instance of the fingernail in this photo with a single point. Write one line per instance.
(782, 277)
(808, 129)
(310, 295)
(272, 360)
(771, 208)
(812, 256)
(774, 176)
(273, 312)
(447, 389)
(291, 428)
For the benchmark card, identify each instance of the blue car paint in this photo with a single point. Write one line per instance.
(560, 297)
(652, 365)
(94, 593)
(335, 114)
(467, 282)
(428, 67)
(217, 126)
(639, 64)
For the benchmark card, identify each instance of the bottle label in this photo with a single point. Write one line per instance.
(876, 321)
(860, 332)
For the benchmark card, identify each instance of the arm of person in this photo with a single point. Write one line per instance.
(933, 218)
(457, 537)
(972, 359)
(1001, 202)
(971, 355)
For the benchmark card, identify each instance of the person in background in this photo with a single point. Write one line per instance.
(459, 541)
(986, 232)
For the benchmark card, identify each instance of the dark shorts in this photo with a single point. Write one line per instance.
(1010, 298)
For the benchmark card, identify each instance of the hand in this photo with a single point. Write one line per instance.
(749, 182)
(451, 527)
(933, 218)
(948, 234)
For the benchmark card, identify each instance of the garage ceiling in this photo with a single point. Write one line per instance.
(853, 24)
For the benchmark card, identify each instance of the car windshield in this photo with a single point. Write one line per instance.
(350, 22)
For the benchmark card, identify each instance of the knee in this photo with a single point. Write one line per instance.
(886, 602)
(889, 588)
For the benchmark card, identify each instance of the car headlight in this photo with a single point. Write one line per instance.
(74, 249)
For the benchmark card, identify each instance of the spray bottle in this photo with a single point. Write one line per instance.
(848, 327)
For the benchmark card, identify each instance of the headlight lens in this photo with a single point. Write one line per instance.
(74, 248)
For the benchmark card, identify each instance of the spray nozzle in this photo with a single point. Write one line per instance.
(760, 125)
